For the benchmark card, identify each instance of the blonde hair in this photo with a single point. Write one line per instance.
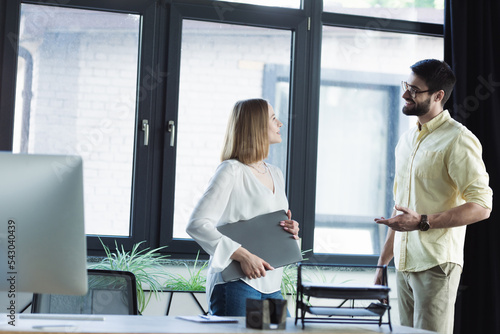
(247, 138)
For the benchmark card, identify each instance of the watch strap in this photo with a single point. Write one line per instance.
(424, 223)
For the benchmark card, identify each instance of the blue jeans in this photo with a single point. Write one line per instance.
(229, 299)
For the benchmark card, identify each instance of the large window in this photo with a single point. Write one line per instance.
(220, 64)
(359, 123)
(76, 94)
(143, 91)
(84, 80)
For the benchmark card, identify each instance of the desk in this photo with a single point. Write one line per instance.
(166, 324)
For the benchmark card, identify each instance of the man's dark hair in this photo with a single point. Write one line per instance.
(437, 75)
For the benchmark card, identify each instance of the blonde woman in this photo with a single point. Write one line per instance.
(243, 187)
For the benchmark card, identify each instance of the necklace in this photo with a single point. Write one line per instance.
(260, 165)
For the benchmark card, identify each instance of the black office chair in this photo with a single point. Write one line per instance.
(110, 292)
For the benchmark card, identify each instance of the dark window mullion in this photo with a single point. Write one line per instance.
(304, 133)
(243, 14)
(121, 6)
(173, 56)
(8, 72)
(382, 24)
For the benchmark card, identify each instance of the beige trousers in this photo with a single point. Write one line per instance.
(426, 299)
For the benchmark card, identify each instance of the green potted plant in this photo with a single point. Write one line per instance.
(191, 282)
(145, 264)
(194, 280)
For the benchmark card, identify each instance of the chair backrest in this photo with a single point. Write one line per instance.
(110, 292)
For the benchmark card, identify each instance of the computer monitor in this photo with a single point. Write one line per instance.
(42, 234)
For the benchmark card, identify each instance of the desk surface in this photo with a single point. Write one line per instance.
(165, 324)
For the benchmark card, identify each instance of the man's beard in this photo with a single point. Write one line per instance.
(418, 109)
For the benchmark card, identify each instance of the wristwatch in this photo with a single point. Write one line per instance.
(424, 223)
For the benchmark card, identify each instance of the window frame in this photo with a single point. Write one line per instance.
(160, 42)
(243, 14)
(142, 172)
(354, 22)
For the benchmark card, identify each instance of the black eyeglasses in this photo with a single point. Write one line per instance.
(413, 91)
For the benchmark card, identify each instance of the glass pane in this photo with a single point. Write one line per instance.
(221, 64)
(416, 10)
(223, 7)
(360, 121)
(76, 94)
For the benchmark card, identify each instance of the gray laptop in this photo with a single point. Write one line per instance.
(264, 237)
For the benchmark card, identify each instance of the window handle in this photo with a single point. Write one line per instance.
(171, 129)
(145, 129)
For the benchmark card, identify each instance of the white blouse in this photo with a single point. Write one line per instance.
(234, 193)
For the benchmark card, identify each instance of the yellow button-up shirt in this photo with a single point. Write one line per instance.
(438, 167)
